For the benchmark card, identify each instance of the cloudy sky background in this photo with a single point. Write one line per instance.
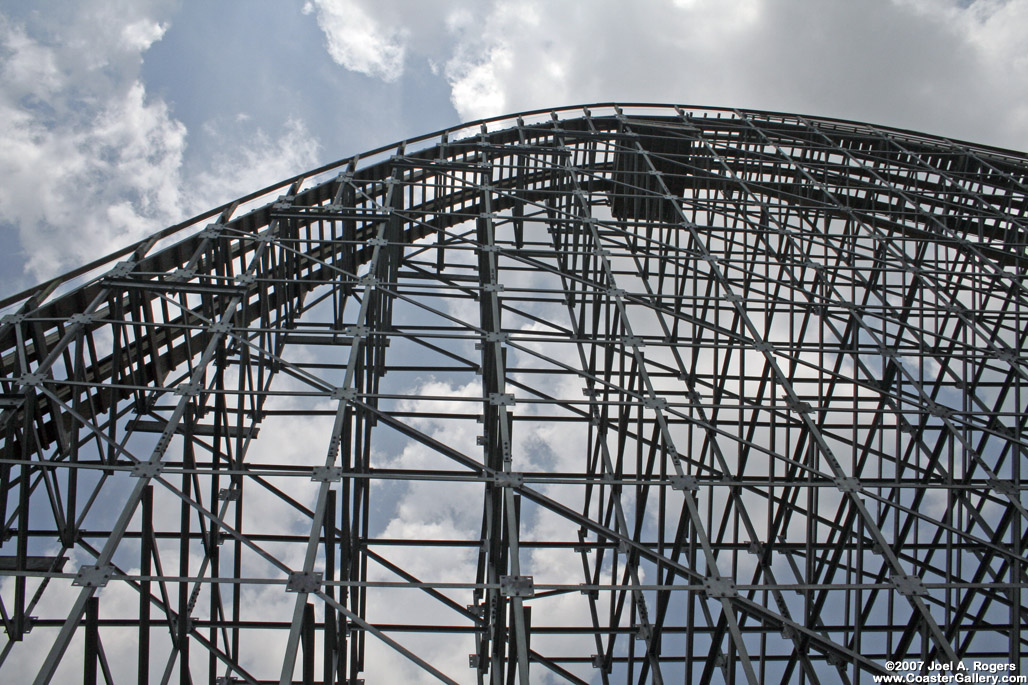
(118, 118)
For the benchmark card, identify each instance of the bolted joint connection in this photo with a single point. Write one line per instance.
(517, 586)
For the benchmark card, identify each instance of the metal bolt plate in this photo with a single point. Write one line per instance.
(719, 588)
(655, 403)
(188, 389)
(212, 231)
(517, 586)
(121, 269)
(31, 380)
(847, 484)
(229, 494)
(685, 483)
(300, 581)
(147, 469)
(93, 576)
(327, 474)
(909, 586)
(81, 319)
(344, 393)
(509, 480)
(799, 406)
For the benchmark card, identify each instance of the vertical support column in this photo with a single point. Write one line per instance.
(583, 236)
(92, 642)
(329, 658)
(24, 492)
(373, 316)
(502, 525)
(220, 329)
(348, 200)
(307, 640)
(182, 630)
(145, 569)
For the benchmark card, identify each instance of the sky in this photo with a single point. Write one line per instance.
(120, 117)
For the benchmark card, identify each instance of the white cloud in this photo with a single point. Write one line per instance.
(487, 55)
(476, 86)
(264, 160)
(88, 159)
(358, 41)
(91, 161)
(932, 65)
(141, 35)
